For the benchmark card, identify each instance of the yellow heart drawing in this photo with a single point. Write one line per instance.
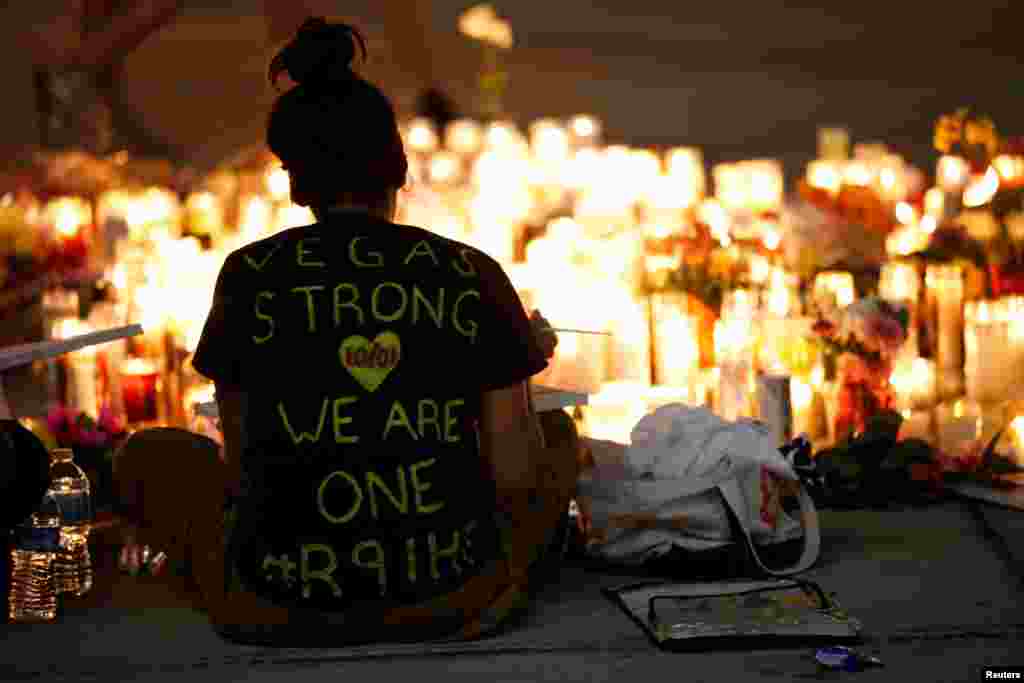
(371, 362)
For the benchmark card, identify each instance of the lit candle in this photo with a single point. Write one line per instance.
(677, 354)
(463, 136)
(808, 410)
(833, 290)
(988, 354)
(958, 424)
(629, 347)
(1010, 168)
(934, 202)
(914, 383)
(765, 184)
(613, 411)
(734, 351)
(945, 285)
(730, 186)
(899, 282)
(1017, 440)
(906, 240)
(1011, 308)
(420, 136)
(139, 380)
(83, 388)
(70, 218)
(444, 169)
(825, 175)
(278, 183)
(204, 214)
(952, 173)
(892, 178)
(859, 173)
(686, 166)
(585, 130)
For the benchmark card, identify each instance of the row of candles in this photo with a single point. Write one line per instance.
(482, 184)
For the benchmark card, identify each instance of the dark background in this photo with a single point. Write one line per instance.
(738, 78)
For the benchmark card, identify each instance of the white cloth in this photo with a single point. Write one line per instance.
(679, 441)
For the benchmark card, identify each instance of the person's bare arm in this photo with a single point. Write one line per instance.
(231, 406)
(512, 442)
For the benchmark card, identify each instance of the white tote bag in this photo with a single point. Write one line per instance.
(695, 482)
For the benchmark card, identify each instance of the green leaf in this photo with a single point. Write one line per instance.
(988, 455)
(850, 470)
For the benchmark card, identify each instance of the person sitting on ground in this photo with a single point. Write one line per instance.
(389, 477)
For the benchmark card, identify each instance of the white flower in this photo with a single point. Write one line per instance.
(476, 21)
(482, 23)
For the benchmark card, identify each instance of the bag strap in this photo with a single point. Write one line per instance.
(735, 503)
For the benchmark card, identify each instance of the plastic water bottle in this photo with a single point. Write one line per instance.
(35, 543)
(70, 486)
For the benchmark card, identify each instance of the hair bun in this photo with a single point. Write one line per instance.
(321, 53)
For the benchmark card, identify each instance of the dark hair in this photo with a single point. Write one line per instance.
(335, 132)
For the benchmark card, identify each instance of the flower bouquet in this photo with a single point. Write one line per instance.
(859, 349)
(873, 468)
(92, 440)
(708, 271)
(997, 168)
(482, 24)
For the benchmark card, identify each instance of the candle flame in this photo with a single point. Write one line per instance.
(278, 183)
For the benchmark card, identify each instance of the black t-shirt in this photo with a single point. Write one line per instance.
(363, 348)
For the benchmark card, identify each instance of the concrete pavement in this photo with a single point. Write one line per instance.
(938, 593)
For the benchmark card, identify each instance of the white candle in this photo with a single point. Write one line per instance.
(899, 282)
(958, 424)
(734, 351)
(83, 389)
(825, 175)
(463, 136)
(945, 285)
(677, 355)
(952, 173)
(1011, 308)
(935, 202)
(1010, 168)
(914, 383)
(988, 355)
(1017, 440)
(808, 408)
(629, 347)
